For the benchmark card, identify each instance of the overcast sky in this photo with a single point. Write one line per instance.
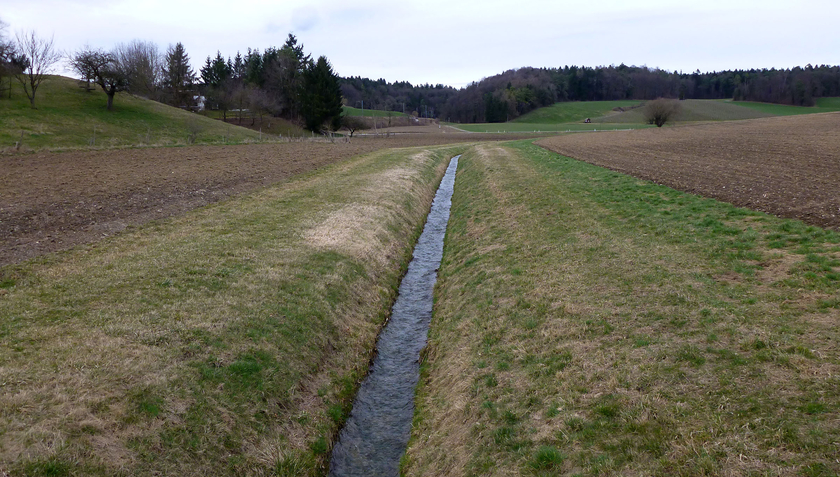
(457, 42)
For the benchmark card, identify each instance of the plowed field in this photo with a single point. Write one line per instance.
(786, 166)
(53, 201)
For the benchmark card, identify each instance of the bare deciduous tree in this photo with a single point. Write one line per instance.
(660, 111)
(104, 69)
(352, 123)
(40, 58)
(143, 65)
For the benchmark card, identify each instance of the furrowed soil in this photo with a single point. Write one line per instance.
(786, 166)
(54, 201)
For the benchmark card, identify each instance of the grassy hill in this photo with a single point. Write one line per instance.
(348, 111)
(571, 112)
(67, 116)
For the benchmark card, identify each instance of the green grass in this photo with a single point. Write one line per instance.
(590, 323)
(67, 116)
(572, 112)
(228, 341)
(350, 111)
(694, 110)
(824, 105)
(569, 116)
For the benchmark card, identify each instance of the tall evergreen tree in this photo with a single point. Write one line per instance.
(321, 96)
(178, 76)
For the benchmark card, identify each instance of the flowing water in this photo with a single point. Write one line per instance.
(376, 433)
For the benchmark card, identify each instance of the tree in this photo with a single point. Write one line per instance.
(39, 57)
(178, 76)
(104, 69)
(8, 58)
(143, 66)
(660, 111)
(219, 86)
(352, 123)
(321, 105)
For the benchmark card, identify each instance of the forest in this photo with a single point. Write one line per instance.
(515, 92)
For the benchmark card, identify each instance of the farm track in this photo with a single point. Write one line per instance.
(54, 201)
(786, 166)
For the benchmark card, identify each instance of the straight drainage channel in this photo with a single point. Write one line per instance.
(376, 433)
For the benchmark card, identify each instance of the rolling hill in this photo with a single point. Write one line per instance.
(67, 116)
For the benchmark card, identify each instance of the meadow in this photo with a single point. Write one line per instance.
(616, 115)
(367, 113)
(69, 116)
(591, 323)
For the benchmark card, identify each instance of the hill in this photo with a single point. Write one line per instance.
(717, 110)
(67, 116)
(350, 111)
(571, 112)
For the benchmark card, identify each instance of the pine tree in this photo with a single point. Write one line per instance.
(178, 76)
(321, 96)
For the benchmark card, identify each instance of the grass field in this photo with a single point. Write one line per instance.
(589, 323)
(67, 116)
(573, 112)
(569, 116)
(228, 341)
(824, 105)
(349, 111)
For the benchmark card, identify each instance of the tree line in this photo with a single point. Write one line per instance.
(401, 96)
(281, 82)
(515, 92)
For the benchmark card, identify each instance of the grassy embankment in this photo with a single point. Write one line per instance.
(228, 341)
(589, 323)
(67, 116)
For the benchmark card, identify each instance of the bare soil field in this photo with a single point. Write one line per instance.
(786, 166)
(54, 201)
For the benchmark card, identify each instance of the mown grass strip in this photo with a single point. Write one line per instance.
(226, 342)
(590, 323)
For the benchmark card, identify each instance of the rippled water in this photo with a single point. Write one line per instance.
(377, 431)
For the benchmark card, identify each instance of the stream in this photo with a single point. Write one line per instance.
(376, 434)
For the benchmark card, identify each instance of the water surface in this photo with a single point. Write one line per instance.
(376, 433)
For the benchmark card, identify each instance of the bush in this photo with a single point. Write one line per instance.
(660, 111)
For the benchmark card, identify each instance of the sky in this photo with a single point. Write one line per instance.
(456, 42)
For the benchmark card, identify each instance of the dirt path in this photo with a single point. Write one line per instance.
(787, 166)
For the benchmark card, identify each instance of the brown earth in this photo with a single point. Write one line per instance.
(786, 166)
(54, 201)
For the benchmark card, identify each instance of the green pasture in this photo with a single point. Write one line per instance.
(67, 116)
(368, 113)
(571, 112)
(824, 105)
